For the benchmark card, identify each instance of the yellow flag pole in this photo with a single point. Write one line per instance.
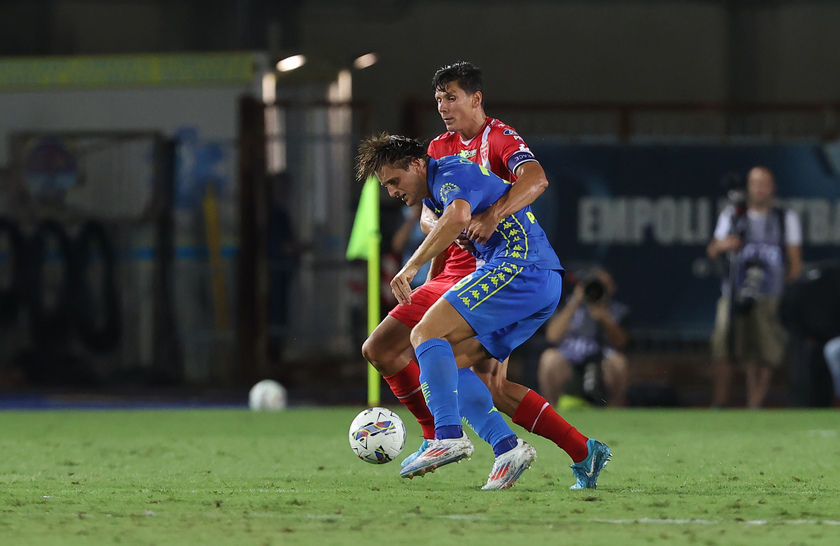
(373, 311)
(364, 244)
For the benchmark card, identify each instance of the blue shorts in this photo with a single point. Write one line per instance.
(505, 303)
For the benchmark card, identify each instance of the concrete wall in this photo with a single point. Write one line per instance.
(535, 52)
(531, 50)
(587, 51)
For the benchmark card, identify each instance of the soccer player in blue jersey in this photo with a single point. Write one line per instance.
(495, 309)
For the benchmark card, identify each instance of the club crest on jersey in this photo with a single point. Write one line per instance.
(445, 190)
(485, 153)
(467, 154)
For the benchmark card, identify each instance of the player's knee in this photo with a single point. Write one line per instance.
(375, 353)
(418, 335)
(498, 385)
(369, 350)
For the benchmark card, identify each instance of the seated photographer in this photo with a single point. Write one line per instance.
(588, 333)
(763, 247)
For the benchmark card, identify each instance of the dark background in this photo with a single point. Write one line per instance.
(618, 99)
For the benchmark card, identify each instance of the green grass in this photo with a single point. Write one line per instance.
(235, 477)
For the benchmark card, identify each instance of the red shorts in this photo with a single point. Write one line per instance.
(422, 298)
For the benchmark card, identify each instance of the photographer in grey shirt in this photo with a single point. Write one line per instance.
(763, 246)
(588, 334)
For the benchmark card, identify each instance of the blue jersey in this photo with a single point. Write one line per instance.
(519, 239)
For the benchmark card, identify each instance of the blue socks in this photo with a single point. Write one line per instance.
(478, 412)
(452, 394)
(439, 381)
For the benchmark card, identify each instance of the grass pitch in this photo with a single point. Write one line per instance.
(235, 477)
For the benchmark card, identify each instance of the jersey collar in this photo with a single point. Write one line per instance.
(484, 125)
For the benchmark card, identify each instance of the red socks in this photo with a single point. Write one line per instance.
(405, 385)
(536, 415)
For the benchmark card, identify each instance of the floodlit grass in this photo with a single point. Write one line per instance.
(235, 477)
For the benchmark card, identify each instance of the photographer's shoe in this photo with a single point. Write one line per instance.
(588, 470)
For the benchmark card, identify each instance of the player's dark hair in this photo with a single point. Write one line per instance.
(469, 78)
(384, 149)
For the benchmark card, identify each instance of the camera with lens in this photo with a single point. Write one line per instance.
(736, 191)
(750, 289)
(594, 290)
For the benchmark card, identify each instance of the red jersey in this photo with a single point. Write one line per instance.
(496, 146)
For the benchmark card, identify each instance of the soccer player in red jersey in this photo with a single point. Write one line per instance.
(459, 93)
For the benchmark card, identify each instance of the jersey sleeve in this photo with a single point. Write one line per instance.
(435, 149)
(510, 148)
(453, 183)
(432, 206)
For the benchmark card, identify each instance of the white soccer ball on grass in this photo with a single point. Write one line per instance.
(377, 435)
(268, 395)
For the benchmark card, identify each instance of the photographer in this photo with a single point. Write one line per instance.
(762, 244)
(587, 334)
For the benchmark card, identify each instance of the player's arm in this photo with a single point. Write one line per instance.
(455, 218)
(428, 219)
(531, 182)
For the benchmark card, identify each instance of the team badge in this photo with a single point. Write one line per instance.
(485, 153)
(445, 190)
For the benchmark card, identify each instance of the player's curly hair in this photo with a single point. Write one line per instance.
(385, 149)
(467, 75)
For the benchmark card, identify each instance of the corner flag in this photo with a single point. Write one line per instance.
(366, 224)
(364, 245)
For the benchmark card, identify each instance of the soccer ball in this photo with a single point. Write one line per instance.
(377, 435)
(267, 395)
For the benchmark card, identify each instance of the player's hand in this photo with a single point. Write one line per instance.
(482, 226)
(465, 244)
(401, 284)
